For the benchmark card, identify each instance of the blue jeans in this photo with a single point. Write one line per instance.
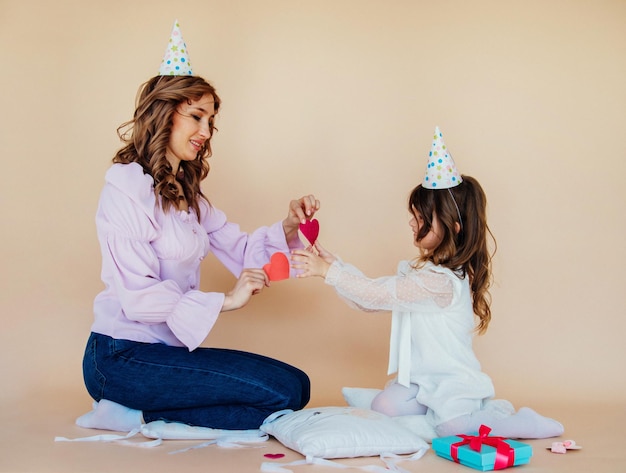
(208, 387)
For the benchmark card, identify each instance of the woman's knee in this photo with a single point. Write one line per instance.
(300, 392)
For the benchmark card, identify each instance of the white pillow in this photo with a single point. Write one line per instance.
(418, 424)
(159, 429)
(342, 432)
(360, 397)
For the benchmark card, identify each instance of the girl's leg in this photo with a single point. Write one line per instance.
(208, 387)
(397, 400)
(525, 424)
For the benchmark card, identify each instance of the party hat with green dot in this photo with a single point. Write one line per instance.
(176, 58)
(441, 172)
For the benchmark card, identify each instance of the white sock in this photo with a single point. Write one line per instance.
(527, 424)
(109, 415)
(524, 424)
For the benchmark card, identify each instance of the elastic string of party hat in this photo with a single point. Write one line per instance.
(458, 212)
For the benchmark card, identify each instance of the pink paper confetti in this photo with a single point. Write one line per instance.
(274, 456)
(564, 446)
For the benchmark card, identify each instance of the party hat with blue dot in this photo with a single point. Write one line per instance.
(441, 172)
(176, 58)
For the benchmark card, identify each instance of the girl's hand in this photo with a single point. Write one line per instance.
(250, 283)
(310, 263)
(299, 211)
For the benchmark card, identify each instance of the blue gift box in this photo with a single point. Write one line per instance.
(465, 446)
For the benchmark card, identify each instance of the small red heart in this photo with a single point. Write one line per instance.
(278, 267)
(274, 456)
(310, 229)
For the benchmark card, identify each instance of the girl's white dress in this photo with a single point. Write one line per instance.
(431, 333)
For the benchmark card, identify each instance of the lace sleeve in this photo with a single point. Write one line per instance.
(407, 292)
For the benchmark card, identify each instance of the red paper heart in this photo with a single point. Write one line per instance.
(274, 456)
(278, 267)
(310, 229)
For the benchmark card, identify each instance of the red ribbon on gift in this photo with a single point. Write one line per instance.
(505, 454)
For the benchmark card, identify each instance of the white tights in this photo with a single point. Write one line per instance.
(524, 424)
(397, 400)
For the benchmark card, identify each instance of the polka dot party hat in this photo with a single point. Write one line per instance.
(176, 59)
(441, 172)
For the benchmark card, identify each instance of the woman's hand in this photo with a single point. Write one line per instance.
(300, 211)
(251, 282)
(312, 263)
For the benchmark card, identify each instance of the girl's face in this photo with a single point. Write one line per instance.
(432, 239)
(190, 130)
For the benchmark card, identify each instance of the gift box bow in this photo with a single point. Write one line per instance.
(505, 454)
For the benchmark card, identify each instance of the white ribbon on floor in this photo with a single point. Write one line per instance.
(389, 459)
(117, 438)
(159, 431)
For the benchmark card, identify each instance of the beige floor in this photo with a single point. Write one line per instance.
(29, 427)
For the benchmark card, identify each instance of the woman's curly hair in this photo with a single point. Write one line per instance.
(147, 136)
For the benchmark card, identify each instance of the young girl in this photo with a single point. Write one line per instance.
(433, 300)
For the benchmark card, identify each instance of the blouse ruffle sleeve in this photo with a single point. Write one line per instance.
(147, 299)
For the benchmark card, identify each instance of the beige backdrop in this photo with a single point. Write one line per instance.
(337, 98)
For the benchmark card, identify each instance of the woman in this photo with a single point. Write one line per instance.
(143, 361)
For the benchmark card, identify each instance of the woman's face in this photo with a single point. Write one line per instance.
(432, 239)
(190, 130)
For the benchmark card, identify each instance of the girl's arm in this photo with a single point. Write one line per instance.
(418, 288)
(312, 262)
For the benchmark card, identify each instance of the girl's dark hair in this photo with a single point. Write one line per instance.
(147, 135)
(465, 252)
